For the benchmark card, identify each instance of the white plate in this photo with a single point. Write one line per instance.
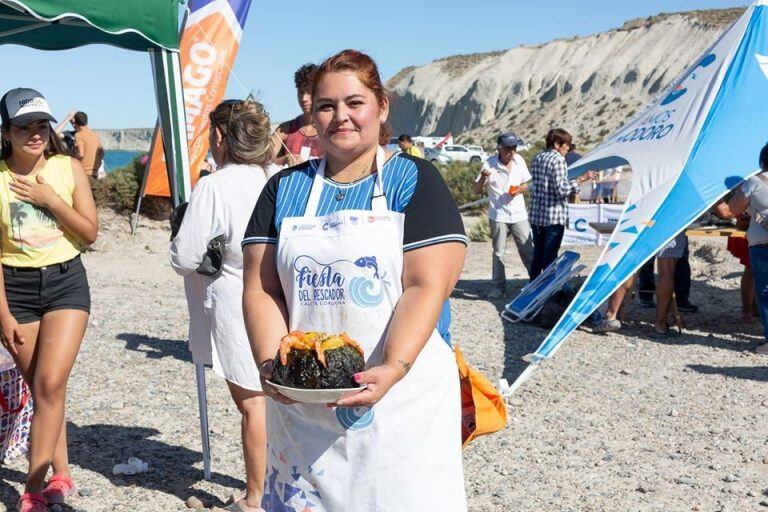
(316, 396)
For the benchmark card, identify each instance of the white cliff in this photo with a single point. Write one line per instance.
(587, 85)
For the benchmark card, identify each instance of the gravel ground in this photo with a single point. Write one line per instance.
(614, 422)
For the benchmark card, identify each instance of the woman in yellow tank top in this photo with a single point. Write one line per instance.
(47, 213)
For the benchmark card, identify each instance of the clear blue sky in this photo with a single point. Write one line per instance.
(115, 86)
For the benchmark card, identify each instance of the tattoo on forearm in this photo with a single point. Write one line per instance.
(406, 365)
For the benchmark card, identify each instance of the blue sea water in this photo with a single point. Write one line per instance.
(115, 159)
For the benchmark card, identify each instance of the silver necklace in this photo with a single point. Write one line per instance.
(341, 193)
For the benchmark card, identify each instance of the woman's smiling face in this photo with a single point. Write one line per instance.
(31, 139)
(347, 115)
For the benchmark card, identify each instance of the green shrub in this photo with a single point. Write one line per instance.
(460, 177)
(117, 190)
(533, 150)
(481, 231)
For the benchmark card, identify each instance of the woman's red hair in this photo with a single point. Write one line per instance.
(366, 71)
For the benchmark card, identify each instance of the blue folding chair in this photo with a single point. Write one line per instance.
(535, 294)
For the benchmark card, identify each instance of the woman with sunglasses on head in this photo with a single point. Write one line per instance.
(47, 214)
(221, 204)
(380, 234)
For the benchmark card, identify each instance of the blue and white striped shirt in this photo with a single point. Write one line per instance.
(412, 186)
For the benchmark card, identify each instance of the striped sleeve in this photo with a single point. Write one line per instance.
(431, 215)
(261, 228)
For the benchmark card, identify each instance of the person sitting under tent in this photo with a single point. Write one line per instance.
(752, 197)
(296, 140)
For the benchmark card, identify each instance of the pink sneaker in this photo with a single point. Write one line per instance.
(58, 489)
(31, 502)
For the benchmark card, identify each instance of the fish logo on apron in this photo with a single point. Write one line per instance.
(325, 284)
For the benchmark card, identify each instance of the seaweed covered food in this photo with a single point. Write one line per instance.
(314, 360)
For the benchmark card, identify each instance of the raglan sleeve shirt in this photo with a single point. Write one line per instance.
(262, 228)
(431, 214)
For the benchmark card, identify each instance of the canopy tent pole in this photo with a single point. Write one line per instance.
(166, 67)
(202, 405)
(143, 185)
(21, 30)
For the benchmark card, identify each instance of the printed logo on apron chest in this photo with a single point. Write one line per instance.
(335, 283)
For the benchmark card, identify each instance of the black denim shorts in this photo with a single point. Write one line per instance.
(32, 292)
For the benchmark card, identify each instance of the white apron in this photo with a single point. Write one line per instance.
(342, 273)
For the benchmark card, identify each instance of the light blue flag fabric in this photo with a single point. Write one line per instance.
(696, 142)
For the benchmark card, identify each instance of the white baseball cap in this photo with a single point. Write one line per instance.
(22, 106)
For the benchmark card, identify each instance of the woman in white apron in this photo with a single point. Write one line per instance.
(221, 205)
(372, 246)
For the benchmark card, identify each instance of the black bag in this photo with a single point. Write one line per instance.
(177, 215)
(213, 259)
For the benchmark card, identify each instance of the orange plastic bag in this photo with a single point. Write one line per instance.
(482, 406)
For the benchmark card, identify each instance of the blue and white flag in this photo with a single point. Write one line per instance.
(697, 141)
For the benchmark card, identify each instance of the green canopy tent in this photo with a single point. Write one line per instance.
(140, 25)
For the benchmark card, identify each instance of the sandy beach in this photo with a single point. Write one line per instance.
(614, 422)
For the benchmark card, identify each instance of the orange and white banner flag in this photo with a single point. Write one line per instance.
(208, 48)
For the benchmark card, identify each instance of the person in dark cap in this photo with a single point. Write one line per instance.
(504, 176)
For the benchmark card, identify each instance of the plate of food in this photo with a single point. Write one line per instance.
(315, 367)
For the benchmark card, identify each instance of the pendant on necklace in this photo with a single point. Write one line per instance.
(340, 195)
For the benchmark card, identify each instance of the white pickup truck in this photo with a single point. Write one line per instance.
(465, 154)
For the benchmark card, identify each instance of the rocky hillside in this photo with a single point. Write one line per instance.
(587, 85)
(131, 139)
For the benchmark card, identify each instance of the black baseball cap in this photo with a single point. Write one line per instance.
(22, 106)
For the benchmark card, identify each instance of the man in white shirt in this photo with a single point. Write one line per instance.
(505, 177)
